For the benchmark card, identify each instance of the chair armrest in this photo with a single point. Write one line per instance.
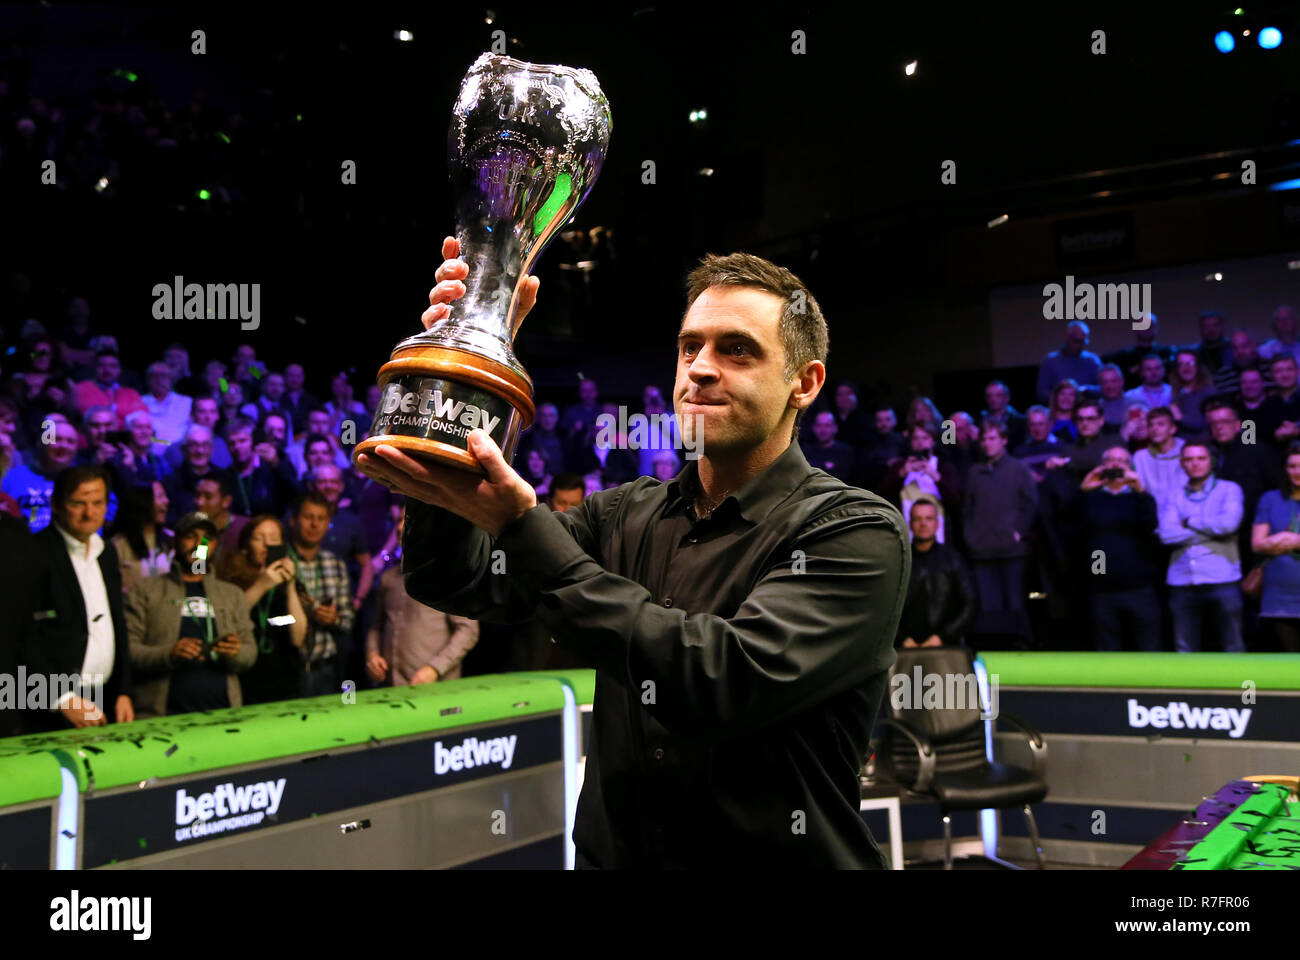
(1037, 744)
(924, 752)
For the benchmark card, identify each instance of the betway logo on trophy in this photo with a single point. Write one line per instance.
(429, 411)
(526, 143)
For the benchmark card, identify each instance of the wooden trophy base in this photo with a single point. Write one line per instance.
(464, 382)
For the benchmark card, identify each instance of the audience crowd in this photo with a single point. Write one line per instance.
(205, 539)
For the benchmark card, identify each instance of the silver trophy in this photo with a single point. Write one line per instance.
(526, 143)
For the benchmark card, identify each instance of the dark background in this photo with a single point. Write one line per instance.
(828, 163)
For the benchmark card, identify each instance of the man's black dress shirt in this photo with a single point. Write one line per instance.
(741, 660)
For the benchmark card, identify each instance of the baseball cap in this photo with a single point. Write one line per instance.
(193, 520)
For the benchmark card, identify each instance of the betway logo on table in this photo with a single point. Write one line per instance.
(474, 752)
(237, 807)
(431, 403)
(1180, 715)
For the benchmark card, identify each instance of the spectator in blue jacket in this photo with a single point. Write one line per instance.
(1070, 362)
(1200, 522)
(1275, 539)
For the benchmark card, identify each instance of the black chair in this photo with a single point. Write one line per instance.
(938, 751)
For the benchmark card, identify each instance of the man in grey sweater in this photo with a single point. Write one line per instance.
(998, 504)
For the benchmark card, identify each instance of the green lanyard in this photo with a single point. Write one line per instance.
(264, 643)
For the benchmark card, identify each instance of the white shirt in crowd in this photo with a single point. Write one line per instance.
(99, 616)
(170, 416)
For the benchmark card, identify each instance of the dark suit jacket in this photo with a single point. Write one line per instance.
(57, 645)
(298, 411)
(16, 579)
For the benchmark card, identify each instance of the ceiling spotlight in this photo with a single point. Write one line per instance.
(705, 171)
(998, 221)
(1270, 38)
(1224, 41)
(489, 16)
(910, 68)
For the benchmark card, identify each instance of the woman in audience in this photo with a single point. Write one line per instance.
(923, 411)
(279, 622)
(1064, 395)
(1192, 386)
(1275, 536)
(144, 548)
(538, 472)
(40, 366)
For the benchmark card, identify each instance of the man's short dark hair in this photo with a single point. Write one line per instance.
(803, 330)
(1221, 403)
(1089, 402)
(311, 496)
(315, 438)
(70, 478)
(239, 425)
(568, 481)
(1000, 385)
(107, 352)
(1165, 412)
(995, 426)
(222, 478)
(1285, 358)
(1154, 356)
(928, 500)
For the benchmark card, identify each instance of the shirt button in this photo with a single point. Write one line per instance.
(668, 601)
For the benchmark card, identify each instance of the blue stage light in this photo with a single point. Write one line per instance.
(1270, 37)
(1224, 41)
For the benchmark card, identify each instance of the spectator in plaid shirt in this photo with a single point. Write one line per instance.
(329, 597)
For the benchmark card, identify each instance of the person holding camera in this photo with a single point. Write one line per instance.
(262, 568)
(1119, 522)
(328, 599)
(190, 632)
(921, 473)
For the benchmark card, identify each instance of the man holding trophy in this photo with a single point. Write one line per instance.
(741, 616)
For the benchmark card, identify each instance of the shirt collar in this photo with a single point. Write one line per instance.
(758, 497)
(78, 549)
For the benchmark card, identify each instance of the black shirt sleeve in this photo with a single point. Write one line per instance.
(778, 655)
